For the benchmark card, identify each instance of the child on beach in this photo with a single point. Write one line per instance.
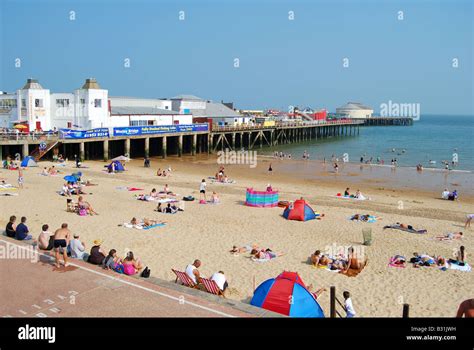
(202, 190)
(348, 307)
(469, 218)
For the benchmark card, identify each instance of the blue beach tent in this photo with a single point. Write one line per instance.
(287, 295)
(28, 162)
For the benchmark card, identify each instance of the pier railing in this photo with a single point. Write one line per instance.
(279, 125)
(22, 136)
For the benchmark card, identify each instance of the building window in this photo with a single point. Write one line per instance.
(98, 103)
(167, 107)
(83, 101)
(141, 122)
(23, 103)
(38, 103)
(8, 103)
(62, 102)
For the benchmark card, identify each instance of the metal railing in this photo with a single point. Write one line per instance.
(22, 136)
(222, 128)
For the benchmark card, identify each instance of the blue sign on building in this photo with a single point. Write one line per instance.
(83, 134)
(159, 129)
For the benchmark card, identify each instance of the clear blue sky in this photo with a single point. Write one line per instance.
(282, 62)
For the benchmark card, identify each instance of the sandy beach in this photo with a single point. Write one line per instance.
(208, 232)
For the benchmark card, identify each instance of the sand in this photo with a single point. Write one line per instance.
(208, 232)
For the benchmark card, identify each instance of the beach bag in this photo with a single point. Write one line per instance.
(145, 272)
(118, 268)
(188, 198)
(82, 212)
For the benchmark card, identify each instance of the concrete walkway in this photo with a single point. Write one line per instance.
(33, 287)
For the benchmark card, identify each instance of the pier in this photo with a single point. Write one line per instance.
(387, 121)
(100, 144)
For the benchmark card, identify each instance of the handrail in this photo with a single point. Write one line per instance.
(285, 124)
(21, 136)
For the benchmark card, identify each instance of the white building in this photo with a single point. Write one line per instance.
(355, 110)
(200, 108)
(38, 109)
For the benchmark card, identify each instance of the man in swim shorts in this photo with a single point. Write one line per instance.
(62, 237)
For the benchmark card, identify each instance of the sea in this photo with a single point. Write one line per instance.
(430, 141)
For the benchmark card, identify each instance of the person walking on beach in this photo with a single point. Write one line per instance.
(348, 307)
(61, 241)
(202, 190)
(270, 169)
(469, 218)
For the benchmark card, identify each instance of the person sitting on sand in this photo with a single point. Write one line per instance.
(158, 172)
(215, 198)
(82, 204)
(166, 189)
(450, 236)
(453, 196)
(45, 238)
(111, 260)
(359, 195)
(97, 255)
(66, 191)
(44, 172)
(131, 265)
(346, 192)
(154, 193)
(52, 171)
(320, 260)
(459, 257)
(269, 188)
(353, 261)
(399, 260)
(192, 271)
(445, 194)
(10, 229)
(77, 248)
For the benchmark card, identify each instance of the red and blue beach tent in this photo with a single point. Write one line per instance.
(287, 295)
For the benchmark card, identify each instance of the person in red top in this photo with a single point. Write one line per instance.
(466, 308)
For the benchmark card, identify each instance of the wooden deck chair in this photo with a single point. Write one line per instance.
(70, 206)
(211, 287)
(184, 279)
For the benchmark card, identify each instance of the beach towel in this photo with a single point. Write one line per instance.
(134, 189)
(397, 227)
(8, 194)
(354, 198)
(7, 187)
(153, 226)
(465, 268)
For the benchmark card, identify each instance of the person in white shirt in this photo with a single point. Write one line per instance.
(44, 239)
(202, 189)
(77, 248)
(350, 312)
(193, 272)
(445, 194)
(220, 280)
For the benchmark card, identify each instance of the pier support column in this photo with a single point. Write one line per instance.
(260, 138)
(147, 147)
(127, 148)
(81, 151)
(25, 150)
(106, 150)
(250, 140)
(1, 153)
(180, 145)
(164, 148)
(209, 143)
(193, 149)
(233, 141)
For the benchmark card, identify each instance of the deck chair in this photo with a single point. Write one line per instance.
(184, 279)
(211, 287)
(70, 206)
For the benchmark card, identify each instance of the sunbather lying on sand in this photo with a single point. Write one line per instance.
(404, 227)
(364, 217)
(247, 248)
(318, 259)
(422, 260)
(450, 236)
(266, 254)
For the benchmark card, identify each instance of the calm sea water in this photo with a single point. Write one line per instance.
(434, 138)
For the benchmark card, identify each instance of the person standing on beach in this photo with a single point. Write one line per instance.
(469, 218)
(20, 177)
(348, 307)
(270, 169)
(202, 189)
(62, 237)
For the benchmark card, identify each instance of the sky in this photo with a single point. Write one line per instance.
(257, 54)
